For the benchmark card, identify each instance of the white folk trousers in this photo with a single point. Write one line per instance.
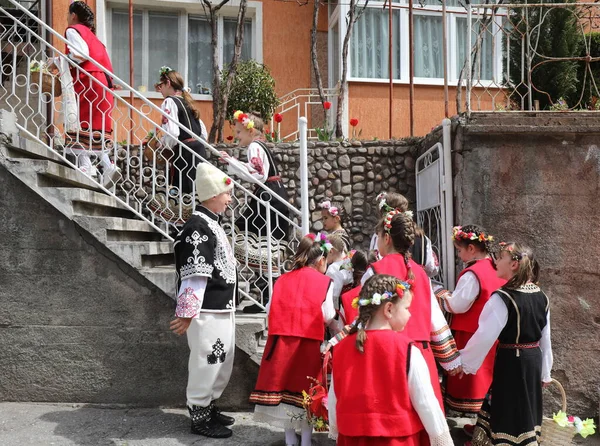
(211, 338)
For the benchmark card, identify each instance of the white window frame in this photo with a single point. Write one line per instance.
(341, 12)
(184, 9)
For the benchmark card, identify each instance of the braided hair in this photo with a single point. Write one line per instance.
(529, 268)
(402, 233)
(490, 247)
(84, 14)
(376, 284)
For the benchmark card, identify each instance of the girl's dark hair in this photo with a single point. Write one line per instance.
(341, 211)
(308, 253)
(402, 233)
(529, 268)
(487, 246)
(394, 201)
(177, 83)
(359, 267)
(379, 283)
(84, 14)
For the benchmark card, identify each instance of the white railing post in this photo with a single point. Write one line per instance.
(448, 189)
(305, 211)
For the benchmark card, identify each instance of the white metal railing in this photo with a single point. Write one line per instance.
(152, 187)
(303, 102)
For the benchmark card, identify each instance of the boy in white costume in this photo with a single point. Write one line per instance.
(207, 284)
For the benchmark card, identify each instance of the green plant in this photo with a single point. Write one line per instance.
(553, 33)
(560, 105)
(253, 90)
(324, 134)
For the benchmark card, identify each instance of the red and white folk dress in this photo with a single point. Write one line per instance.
(300, 307)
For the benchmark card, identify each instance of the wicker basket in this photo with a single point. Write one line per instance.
(552, 433)
(48, 83)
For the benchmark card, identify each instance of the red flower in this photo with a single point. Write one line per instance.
(273, 135)
(326, 105)
(230, 138)
(278, 117)
(354, 122)
(242, 116)
(267, 131)
(227, 181)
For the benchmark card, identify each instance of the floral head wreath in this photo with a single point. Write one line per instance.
(459, 234)
(165, 70)
(377, 298)
(333, 210)
(510, 249)
(347, 262)
(322, 239)
(243, 119)
(387, 221)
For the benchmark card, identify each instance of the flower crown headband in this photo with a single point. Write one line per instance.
(387, 221)
(347, 262)
(323, 241)
(333, 210)
(165, 70)
(510, 249)
(378, 298)
(459, 234)
(243, 119)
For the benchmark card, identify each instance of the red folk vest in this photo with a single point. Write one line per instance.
(350, 313)
(97, 50)
(418, 327)
(488, 283)
(296, 304)
(372, 387)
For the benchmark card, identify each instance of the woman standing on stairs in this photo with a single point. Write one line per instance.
(92, 90)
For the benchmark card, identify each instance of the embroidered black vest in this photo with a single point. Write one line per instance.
(203, 250)
(186, 118)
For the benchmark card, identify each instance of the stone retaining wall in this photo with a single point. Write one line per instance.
(352, 173)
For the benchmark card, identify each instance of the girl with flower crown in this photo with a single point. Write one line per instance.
(421, 251)
(301, 305)
(476, 283)
(260, 168)
(179, 108)
(517, 316)
(381, 392)
(427, 327)
(332, 217)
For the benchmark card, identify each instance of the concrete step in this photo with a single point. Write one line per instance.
(52, 174)
(118, 229)
(163, 277)
(28, 149)
(96, 204)
(144, 254)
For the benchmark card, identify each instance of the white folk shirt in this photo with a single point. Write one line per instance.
(462, 298)
(256, 170)
(492, 321)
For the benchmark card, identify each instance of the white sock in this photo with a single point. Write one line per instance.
(290, 437)
(306, 434)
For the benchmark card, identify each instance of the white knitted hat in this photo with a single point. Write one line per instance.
(211, 182)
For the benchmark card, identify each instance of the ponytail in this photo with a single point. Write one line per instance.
(308, 252)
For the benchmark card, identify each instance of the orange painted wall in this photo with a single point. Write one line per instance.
(370, 104)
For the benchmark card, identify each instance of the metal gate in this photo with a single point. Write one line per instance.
(435, 206)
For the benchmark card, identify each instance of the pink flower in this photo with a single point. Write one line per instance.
(278, 117)
(227, 181)
(326, 105)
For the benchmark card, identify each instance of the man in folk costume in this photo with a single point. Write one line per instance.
(207, 284)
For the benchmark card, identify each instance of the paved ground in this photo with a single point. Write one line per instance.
(58, 424)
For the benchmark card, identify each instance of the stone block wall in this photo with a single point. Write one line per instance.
(352, 173)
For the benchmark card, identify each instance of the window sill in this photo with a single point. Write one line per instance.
(423, 81)
(156, 95)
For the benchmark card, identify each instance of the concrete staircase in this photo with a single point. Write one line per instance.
(81, 200)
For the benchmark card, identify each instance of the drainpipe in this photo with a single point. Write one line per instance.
(303, 127)
(448, 189)
(411, 65)
(390, 59)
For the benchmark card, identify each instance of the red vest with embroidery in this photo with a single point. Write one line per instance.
(350, 313)
(488, 283)
(97, 50)
(418, 327)
(296, 304)
(365, 406)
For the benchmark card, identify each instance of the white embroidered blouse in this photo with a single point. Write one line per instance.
(256, 170)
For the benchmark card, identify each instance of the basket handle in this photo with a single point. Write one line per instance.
(562, 394)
